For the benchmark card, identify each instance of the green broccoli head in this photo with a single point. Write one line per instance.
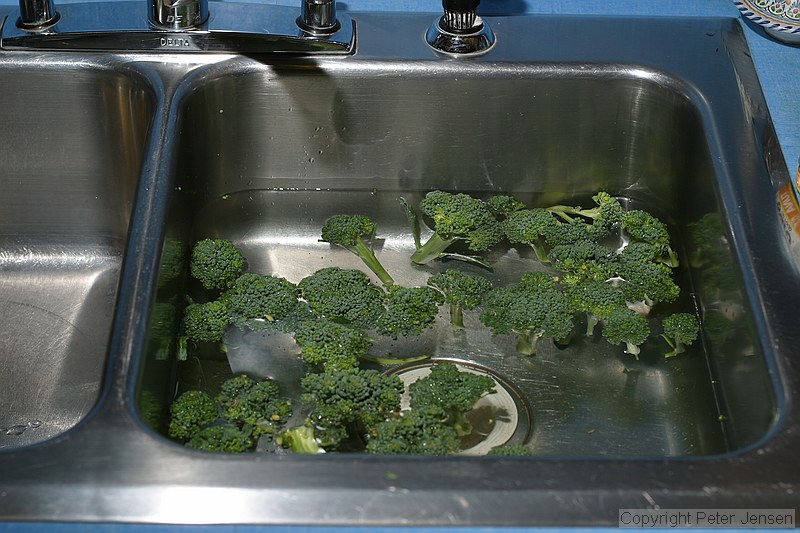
(350, 231)
(191, 412)
(254, 296)
(504, 204)
(206, 322)
(532, 309)
(461, 291)
(216, 263)
(346, 230)
(255, 404)
(568, 233)
(225, 439)
(581, 262)
(597, 299)
(530, 226)
(607, 215)
(646, 282)
(409, 311)
(680, 330)
(644, 227)
(343, 295)
(451, 390)
(349, 400)
(626, 326)
(330, 345)
(457, 217)
(416, 432)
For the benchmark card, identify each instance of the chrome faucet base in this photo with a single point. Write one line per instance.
(475, 41)
(263, 29)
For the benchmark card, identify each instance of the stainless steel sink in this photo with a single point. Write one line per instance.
(260, 150)
(71, 160)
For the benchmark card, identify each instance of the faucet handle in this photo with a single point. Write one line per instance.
(459, 15)
(178, 14)
(460, 32)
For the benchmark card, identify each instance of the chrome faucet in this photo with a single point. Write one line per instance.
(37, 14)
(178, 14)
(460, 32)
(181, 26)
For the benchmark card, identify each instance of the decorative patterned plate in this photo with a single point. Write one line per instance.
(780, 18)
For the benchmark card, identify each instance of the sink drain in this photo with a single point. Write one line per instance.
(499, 418)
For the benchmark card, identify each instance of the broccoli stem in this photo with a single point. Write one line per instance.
(431, 250)
(368, 256)
(460, 423)
(528, 342)
(540, 251)
(677, 346)
(632, 349)
(672, 258)
(301, 440)
(591, 323)
(456, 315)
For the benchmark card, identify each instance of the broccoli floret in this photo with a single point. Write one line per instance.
(268, 298)
(581, 262)
(329, 345)
(349, 232)
(409, 310)
(191, 412)
(255, 404)
(504, 204)
(624, 325)
(530, 226)
(461, 291)
(226, 439)
(206, 322)
(457, 217)
(510, 450)
(644, 227)
(569, 233)
(348, 401)
(343, 295)
(645, 283)
(451, 390)
(532, 309)
(597, 299)
(680, 330)
(417, 432)
(605, 216)
(216, 263)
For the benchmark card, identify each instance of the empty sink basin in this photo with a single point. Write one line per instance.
(71, 160)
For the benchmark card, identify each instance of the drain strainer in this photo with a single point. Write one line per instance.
(499, 418)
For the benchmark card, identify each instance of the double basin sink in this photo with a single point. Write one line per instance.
(112, 162)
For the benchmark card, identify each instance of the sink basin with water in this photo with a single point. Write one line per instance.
(260, 150)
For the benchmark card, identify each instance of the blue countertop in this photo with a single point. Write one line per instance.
(778, 67)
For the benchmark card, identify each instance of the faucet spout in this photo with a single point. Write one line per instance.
(178, 14)
(37, 15)
(318, 17)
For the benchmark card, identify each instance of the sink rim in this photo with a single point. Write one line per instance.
(112, 436)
